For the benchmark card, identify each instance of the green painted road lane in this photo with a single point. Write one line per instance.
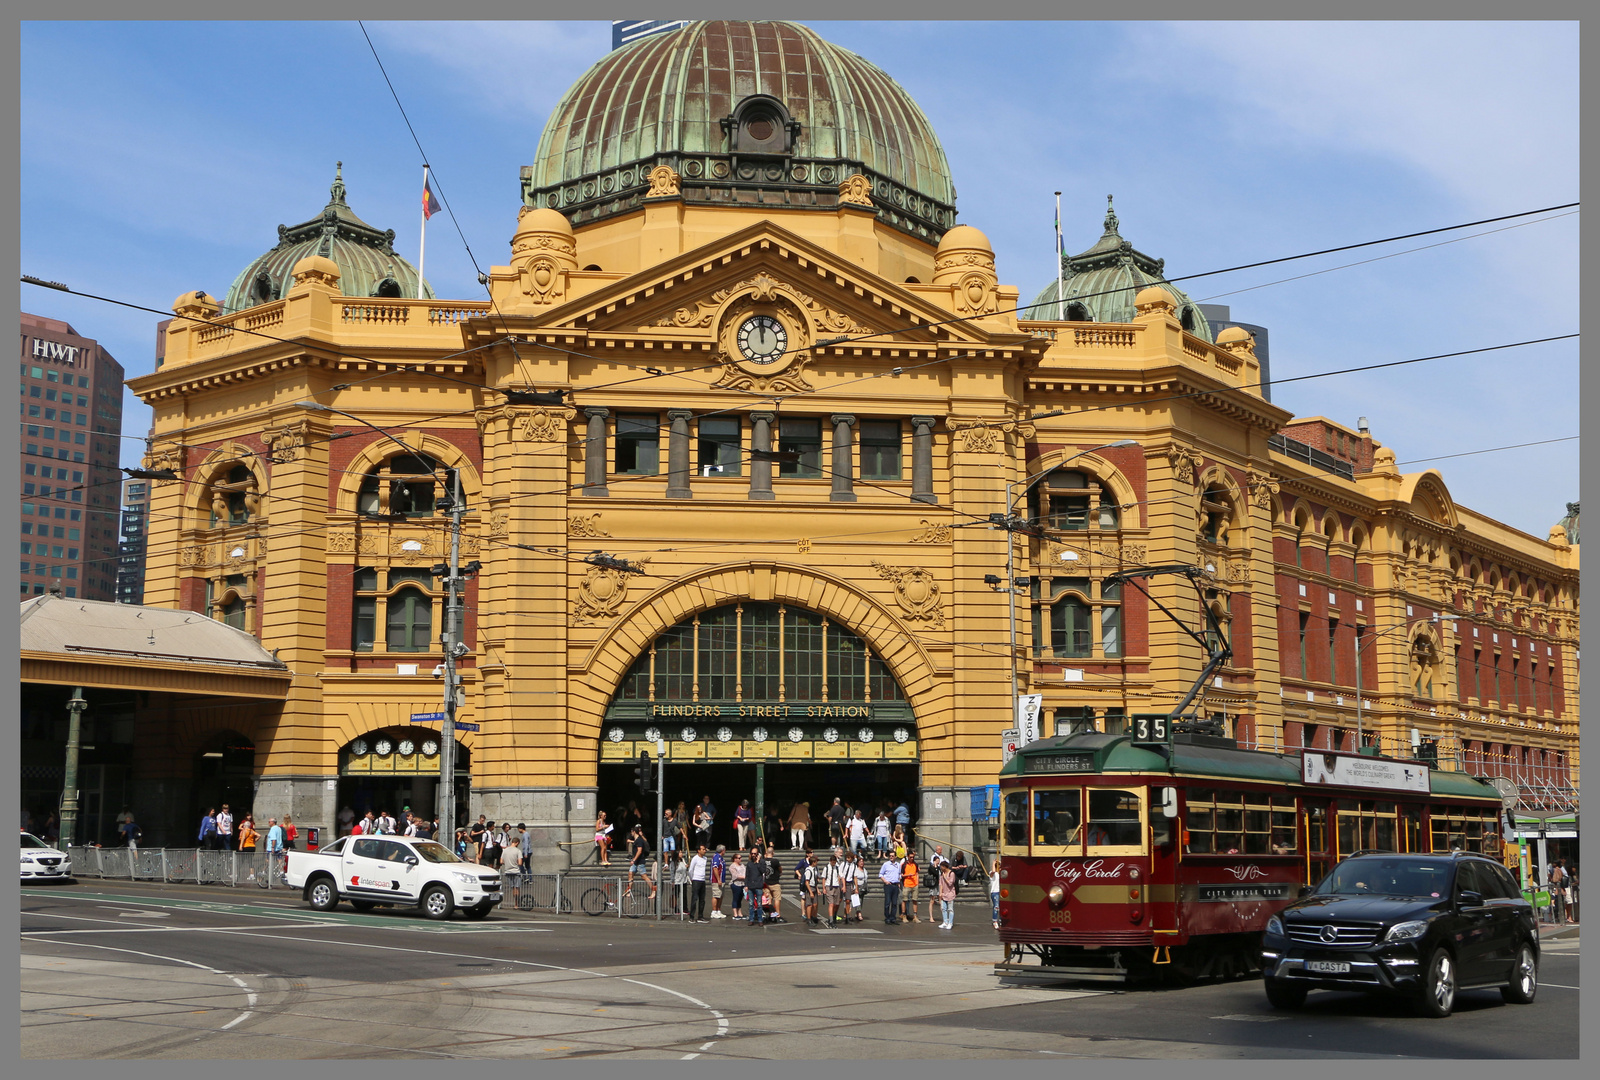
(394, 920)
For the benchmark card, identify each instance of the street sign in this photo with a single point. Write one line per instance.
(427, 718)
(465, 727)
(1010, 739)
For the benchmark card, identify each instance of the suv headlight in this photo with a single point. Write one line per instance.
(1406, 931)
(464, 878)
(1275, 926)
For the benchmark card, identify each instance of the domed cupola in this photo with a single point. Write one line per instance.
(1100, 284)
(368, 265)
(756, 114)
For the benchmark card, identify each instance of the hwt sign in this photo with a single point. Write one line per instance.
(55, 351)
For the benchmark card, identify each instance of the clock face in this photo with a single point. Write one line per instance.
(653, 734)
(762, 339)
(406, 747)
(901, 734)
(724, 734)
(759, 734)
(831, 734)
(795, 734)
(359, 748)
(430, 748)
(383, 747)
(688, 734)
(865, 734)
(615, 734)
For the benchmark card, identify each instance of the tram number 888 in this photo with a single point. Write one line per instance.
(1061, 916)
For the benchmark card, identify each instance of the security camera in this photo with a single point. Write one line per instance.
(438, 671)
(459, 649)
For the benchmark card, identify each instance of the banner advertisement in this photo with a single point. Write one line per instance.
(1352, 770)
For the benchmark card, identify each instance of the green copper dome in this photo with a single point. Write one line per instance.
(1100, 284)
(763, 113)
(368, 265)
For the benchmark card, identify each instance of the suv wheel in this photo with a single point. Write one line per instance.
(436, 903)
(1282, 995)
(1524, 977)
(1438, 985)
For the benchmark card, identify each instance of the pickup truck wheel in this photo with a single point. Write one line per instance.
(436, 902)
(1524, 978)
(321, 894)
(363, 905)
(477, 911)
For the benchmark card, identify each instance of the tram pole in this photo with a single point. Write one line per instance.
(661, 810)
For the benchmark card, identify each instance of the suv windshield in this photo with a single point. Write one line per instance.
(435, 853)
(1388, 877)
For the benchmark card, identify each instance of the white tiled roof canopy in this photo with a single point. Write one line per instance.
(71, 627)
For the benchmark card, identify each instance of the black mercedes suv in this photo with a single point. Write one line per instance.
(1423, 926)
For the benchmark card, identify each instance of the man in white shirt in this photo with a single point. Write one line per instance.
(225, 828)
(511, 872)
(411, 825)
(858, 833)
(889, 874)
(833, 884)
(698, 864)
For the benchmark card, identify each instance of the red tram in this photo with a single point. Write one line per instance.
(1126, 860)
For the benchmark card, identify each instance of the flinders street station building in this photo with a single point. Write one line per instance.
(741, 348)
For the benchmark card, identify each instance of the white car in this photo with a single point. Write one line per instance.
(40, 860)
(390, 871)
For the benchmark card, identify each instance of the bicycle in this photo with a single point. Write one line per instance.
(277, 864)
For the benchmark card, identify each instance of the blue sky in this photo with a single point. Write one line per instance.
(168, 158)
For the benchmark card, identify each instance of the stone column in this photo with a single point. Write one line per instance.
(594, 453)
(922, 459)
(843, 459)
(761, 471)
(678, 455)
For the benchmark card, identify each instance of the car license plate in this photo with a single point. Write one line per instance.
(496, 896)
(1329, 967)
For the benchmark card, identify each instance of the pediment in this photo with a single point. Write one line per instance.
(688, 297)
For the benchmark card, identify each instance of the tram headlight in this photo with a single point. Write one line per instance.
(1057, 896)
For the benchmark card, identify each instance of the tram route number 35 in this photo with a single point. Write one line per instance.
(1150, 728)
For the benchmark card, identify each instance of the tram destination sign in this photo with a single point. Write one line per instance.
(1351, 770)
(1054, 763)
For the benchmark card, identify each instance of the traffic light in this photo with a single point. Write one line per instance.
(644, 774)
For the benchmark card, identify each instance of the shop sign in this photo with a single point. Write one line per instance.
(758, 710)
(794, 751)
(768, 749)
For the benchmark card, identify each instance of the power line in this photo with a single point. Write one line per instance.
(1491, 450)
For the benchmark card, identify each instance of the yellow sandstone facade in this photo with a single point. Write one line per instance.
(841, 588)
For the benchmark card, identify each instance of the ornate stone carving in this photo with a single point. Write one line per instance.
(915, 591)
(586, 526)
(975, 295)
(601, 593)
(1104, 555)
(367, 544)
(542, 425)
(471, 544)
(341, 543)
(287, 441)
(412, 548)
(664, 182)
(193, 555)
(933, 534)
(856, 190)
(500, 523)
(1185, 464)
(1263, 486)
(541, 280)
(164, 457)
(975, 436)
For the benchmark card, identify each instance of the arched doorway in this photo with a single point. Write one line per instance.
(396, 769)
(763, 701)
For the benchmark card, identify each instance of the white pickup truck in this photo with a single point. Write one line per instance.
(370, 871)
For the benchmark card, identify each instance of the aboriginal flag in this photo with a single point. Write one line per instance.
(430, 205)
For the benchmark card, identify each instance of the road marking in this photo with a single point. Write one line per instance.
(1249, 1018)
(1558, 986)
(853, 930)
(294, 915)
(250, 995)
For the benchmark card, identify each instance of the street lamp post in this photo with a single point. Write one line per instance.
(1374, 636)
(450, 639)
(1012, 525)
(69, 787)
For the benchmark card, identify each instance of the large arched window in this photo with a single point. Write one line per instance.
(403, 485)
(755, 651)
(233, 497)
(1069, 500)
(403, 607)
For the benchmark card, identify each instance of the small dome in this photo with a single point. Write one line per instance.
(1101, 284)
(1570, 524)
(1154, 294)
(540, 220)
(1231, 334)
(747, 113)
(365, 256)
(965, 236)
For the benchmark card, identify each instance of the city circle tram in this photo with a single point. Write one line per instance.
(1129, 860)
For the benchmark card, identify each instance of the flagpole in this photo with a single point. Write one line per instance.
(1060, 300)
(422, 245)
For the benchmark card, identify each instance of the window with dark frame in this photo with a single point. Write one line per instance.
(880, 450)
(638, 444)
(801, 436)
(720, 450)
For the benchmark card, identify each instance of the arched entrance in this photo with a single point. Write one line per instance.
(763, 701)
(395, 769)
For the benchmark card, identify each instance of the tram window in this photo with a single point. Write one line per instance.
(1285, 837)
(1411, 822)
(1199, 821)
(1317, 827)
(1115, 818)
(1230, 823)
(1014, 814)
(1055, 817)
(1257, 825)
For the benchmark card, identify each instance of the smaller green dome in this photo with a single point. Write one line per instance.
(368, 265)
(1570, 523)
(1100, 284)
